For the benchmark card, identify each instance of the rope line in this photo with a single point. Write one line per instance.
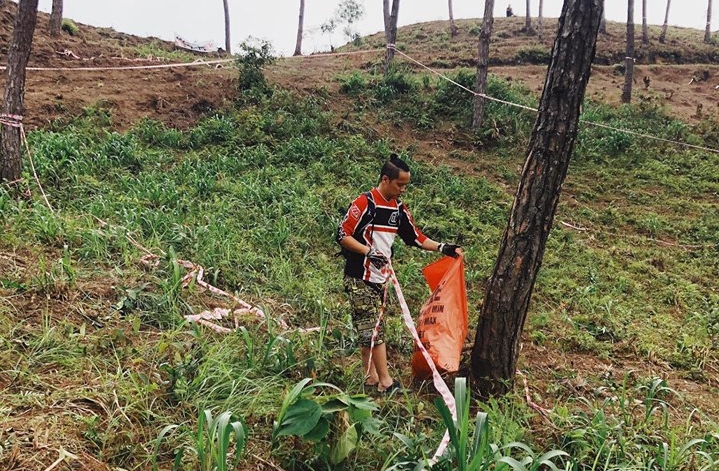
(15, 121)
(185, 64)
(128, 67)
(331, 54)
(528, 108)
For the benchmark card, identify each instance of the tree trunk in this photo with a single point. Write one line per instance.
(390, 31)
(528, 19)
(540, 20)
(506, 300)
(483, 63)
(18, 56)
(228, 43)
(629, 58)
(452, 27)
(300, 28)
(708, 31)
(663, 36)
(603, 24)
(645, 26)
(56, 18)
(385, 17)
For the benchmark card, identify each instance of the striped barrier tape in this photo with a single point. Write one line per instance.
(437, 380)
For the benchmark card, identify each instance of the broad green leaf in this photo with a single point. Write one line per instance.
(318, 433)
(344, 446)
(301, 417)
(361, 401)
(334, 405)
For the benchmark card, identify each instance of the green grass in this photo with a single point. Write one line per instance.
(253, 195)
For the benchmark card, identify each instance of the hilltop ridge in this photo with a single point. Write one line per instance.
(181, 96)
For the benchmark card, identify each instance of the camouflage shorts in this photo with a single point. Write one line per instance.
(365, 302)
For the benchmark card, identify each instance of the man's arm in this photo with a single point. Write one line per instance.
(447, 249)
(353, 245)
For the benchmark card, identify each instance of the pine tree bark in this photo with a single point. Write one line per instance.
(708, 31)
(504, 310)
(228, 43)
(452, 27)
(645, 26)
(300, 28)
(18, 56)
(485, 33)
(540, 20)
(56, 18)
(629, 58)
(528, 19)
(390, 30)
(665, 26)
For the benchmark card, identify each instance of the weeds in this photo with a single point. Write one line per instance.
(212, 442)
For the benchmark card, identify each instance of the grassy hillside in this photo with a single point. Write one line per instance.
(620, 343)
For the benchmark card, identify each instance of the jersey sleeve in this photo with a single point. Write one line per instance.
(352, 218)
(408, 231)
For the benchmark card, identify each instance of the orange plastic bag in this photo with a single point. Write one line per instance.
(442, 324)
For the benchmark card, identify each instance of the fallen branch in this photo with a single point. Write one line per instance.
(532, 404)
(63, 454)
(576, 228)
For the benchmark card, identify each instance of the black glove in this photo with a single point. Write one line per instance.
(449, 250)
(377, 258)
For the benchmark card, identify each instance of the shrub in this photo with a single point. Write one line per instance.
(533, 55)
(354, 84)
(69, 26)
(254, 56)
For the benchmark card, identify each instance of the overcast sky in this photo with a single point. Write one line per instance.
(276, 20)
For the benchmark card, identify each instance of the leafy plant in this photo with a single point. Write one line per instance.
(212, 442)
(471, 448)
(69, 27)
(254, 55)
(319, 422)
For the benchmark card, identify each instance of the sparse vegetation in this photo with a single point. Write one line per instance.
(69, 27)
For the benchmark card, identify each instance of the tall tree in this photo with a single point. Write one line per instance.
(708, 31)
(300, 27)
(665, 26)
(390, 30)
(18, 56)
(528, 19)
(629, 58)
(485, 33)
(452, 27)
(56, 17)
(506, 301)
(228, 43)
(540, 20)
(645, 26)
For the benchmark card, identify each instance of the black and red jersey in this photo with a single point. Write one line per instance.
(375, 222)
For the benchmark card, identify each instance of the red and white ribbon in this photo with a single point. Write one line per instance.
(439, 383)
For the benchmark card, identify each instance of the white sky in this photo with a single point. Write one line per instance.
(276, 20)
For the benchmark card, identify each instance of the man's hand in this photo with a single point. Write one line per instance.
(450, 250)
(377, 258)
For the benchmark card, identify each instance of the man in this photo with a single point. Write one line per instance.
(366, 234)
